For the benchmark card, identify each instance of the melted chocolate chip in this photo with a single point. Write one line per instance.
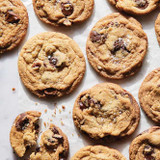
(142, 4)
(67, 8)
(11, 17)
(148, 151)
(96, 37)
(52, 60)
(50, 91)
(58, 137)
(89, 102)
(22, 122)
(54, 130)
(37, 150)
(118, 45)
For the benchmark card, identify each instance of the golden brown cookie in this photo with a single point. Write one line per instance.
(24, 132)
(116, 46)
(146, 146)
(135, 7)
(51, 64)
(149, 95)
(98, 153)
(53, 146)
(13, 24)
(106, 111)
(63, 12)
(157, 28)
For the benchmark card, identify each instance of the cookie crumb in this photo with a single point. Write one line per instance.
(60, 110)
(55, 105)
(13, 89)
(72, 134)
(45, 110)
(62, 123)
(69, 112)
(63, 107)
(45, 124)
(55, 111)
(36, 103)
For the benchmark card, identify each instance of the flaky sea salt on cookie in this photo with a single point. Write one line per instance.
(51, 64)
(116, 46)
(63, 12)
(106, 111)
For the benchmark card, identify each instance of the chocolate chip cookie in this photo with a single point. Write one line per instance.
(135, 7)
(63, 12)
(149, 95)
(53, 146)
(13, 24)
(116, 46)
(106, 111)
(146, 146)
(98, 153)
(24, 132)
(51, 64)
(157, 28)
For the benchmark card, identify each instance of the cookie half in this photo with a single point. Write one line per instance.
(63, 12)
(51, 64)
(14, 24)
(157, 28)
(135, 7)
(98, 153)
(106, 111)
(149, 95)
(53, 145)
(24, 132)
(116, 46)
(146, 146)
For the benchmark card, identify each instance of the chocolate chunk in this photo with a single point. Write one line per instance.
(89, 102)
(36, 65)
(96, 37)
(11, 17)
(52, 60)
(22, 122)
(118, 45)
(58, 137)
(67, 8)
(37, 150)
(148, 151)
(50, 91)
(50, 140)
(54, 130)
(36, 127)
(142, 4)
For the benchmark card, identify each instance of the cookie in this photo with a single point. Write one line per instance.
(53, 145)
(135, 7)
(106, 111)
(24, 132)
(146, 146)
(14, 24)
(116, 46)
(63, 12)
(157, 26)
(149, 95)
(51, 64)
(98, 153)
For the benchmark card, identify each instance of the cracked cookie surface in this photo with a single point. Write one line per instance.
(157, 28)
(51, 64)
(24, 132)
(14, 24)
(149, 95)
(98, 153)
(106, 111)
(146, 146)
(116, 46)
(135, 7)
(63, 12)
(53, 145)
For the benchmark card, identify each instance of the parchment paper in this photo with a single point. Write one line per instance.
(15, 102)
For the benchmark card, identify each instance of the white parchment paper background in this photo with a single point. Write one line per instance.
(14, 103)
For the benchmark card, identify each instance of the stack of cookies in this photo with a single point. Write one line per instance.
(51, 64)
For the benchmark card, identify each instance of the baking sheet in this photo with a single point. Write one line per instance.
(15, 102)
